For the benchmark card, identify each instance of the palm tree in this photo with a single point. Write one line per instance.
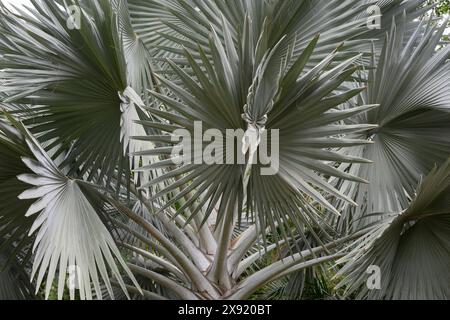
(94, 94)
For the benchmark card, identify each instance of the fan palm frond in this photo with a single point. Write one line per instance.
(68, 228)
(279, 98)
(411, 248)
(76, 81)
(410, 83)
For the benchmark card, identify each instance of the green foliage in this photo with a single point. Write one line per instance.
(442, 6)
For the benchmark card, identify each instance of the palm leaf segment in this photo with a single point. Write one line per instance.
(411, 247)
(14, 280)
(14, 224)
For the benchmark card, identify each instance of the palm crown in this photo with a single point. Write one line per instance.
(94, 94)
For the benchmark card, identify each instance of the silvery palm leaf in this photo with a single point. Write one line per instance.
(411, 84)
(71, 239)
(391, 10)
(171, 24)
(76, 81)
(13, 223)
(302, 108)
(411, 248)
(165, 26)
